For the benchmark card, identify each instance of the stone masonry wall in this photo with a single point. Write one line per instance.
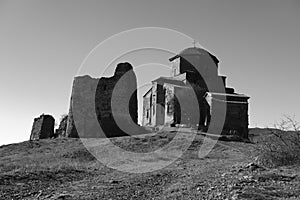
(91, 103)
(43, 127)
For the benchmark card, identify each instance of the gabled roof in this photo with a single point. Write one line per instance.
(170, 80)
(229, 98)
(216, 94)
(147, 92)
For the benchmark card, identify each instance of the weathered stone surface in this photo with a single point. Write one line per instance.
(104, 107)
(43, 127)
(61, 130)
(81, 105)
(116, 102)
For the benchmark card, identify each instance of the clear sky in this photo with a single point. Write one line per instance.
(43, 43)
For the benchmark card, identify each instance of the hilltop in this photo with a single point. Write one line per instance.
(62, 168)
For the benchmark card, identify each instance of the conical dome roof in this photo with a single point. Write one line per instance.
(194, 51)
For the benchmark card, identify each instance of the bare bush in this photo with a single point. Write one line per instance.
(282, 145)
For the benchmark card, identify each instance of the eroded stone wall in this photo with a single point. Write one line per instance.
(43, 127)
(104, 107)
(61, 130)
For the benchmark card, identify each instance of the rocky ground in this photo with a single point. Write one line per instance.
(64, 169)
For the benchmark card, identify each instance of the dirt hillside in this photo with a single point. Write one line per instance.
(64, 169)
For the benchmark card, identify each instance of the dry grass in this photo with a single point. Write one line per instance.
(63, 169)
(282, 145)
(46, 155)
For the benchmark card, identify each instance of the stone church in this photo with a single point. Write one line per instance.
(194, 69)
(191, 97)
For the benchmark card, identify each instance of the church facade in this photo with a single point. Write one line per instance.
(189, 96)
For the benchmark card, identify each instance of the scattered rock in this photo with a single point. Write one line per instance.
(275, 177)
(114, 181)
(240, 170)
(63, 196)
(252, 166)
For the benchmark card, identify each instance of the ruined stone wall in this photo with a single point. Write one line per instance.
(103, 107)
(61, 130)
(116, 99)
(43, 127)
(81, 106)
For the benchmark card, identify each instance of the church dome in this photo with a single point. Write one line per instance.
(194, 51)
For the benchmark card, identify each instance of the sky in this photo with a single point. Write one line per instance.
(43, 44)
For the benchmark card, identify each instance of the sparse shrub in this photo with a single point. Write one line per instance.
(282, 145)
